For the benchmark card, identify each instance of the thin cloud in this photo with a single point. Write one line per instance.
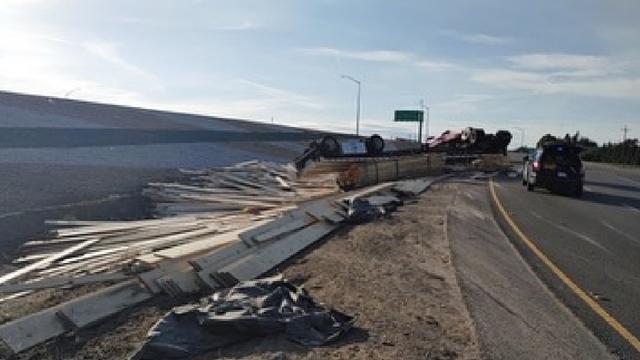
(484, 39)
(108, 52)
(382, 56)
(477, 38)
(571, 62)
(279, 97)
(244, 25)
(372, 55)
(543, 83)
(562, 73)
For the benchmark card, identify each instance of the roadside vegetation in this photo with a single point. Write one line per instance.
(626, 152)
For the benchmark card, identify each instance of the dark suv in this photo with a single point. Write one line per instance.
(554, 166)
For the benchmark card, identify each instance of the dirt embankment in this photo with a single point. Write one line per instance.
(394, 274)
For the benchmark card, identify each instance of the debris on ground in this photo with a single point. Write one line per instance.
(226, 225)
(250, 309)
(370, 208)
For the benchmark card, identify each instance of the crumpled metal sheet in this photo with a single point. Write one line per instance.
(249, 309)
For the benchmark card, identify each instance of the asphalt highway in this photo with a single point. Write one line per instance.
(594, 240)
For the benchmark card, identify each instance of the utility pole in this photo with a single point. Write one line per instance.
(357, 102)
(625, 130)
(426, 130)
(521, 137)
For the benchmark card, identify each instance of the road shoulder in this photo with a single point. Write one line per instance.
(516, 316)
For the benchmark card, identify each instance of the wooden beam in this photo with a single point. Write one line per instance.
(46, 261)
(53, 282)
(89, 309)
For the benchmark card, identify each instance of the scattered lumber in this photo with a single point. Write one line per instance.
(185, 251)
(193, 217)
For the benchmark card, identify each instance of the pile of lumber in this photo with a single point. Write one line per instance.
(216, 261)
(207, 204)
(249, 186)
(219, 227)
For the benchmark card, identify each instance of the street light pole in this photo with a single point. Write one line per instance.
(521, 137)
(426, 130)
(357, 102)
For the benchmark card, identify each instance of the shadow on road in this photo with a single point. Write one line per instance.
(610, 199)
(614, 186)
(592, 196)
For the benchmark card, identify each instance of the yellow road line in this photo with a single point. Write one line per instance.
(615, 324)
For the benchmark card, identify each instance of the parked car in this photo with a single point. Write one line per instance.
(555, 166)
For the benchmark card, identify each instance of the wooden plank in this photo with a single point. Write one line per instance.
(28, 331)
(290, 221)
(290, 226)
(198, 246)
(221, 257)
(149, 278)
(46, 261)
(180, 283)
(253, 184)
(123, 226)
(268, 257)
(321, 210)
(283, 183)
(92, 308)
(52, 282)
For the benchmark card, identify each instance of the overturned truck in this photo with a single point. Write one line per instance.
(470, 141)
(360, 161)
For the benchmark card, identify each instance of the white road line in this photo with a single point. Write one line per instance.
(588, 188)
(572, 232)
(620, 232)
(632, 208)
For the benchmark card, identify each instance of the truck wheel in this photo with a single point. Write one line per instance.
(579, 190)
(330, 147)
(374, 145)
(530, 186)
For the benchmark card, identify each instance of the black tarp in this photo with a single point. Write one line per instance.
(249, 309)
(367, 209)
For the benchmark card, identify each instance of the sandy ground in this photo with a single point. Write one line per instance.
(395, 275)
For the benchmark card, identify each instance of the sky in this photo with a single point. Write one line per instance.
(530, 67)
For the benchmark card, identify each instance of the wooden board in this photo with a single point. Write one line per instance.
(288, 222)
(221, 257)
(31, 330)
(62, 281)
(46, 261)
(198, 246)
(92, 308)
(265, 259)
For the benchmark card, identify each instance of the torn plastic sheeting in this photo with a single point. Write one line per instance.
(369, 208)
(249, 309)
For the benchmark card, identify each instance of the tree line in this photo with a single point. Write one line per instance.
(626, 152)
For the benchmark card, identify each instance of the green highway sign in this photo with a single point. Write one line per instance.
(409, 115)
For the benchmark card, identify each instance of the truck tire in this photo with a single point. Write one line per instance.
(579, 190)
(530, 186)
(374, 145)
(330, 147)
